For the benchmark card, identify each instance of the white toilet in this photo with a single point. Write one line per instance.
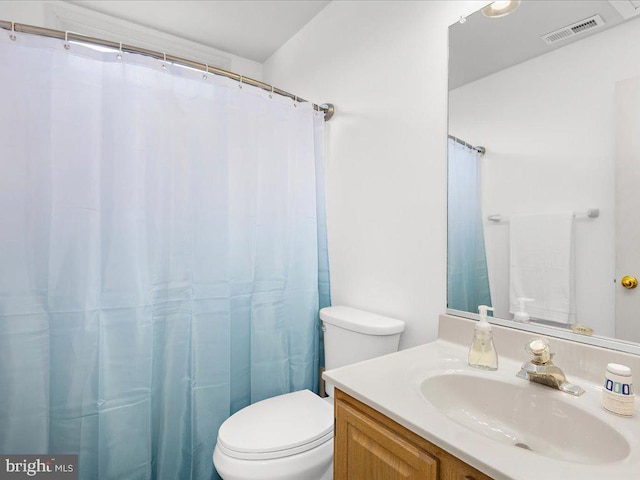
(290, 437)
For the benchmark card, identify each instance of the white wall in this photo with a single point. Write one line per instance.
(384, 65)
(31, 13)
(60, 15)
(548, 126)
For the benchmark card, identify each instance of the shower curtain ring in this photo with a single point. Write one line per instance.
(119, 55)
(271, 94)
(295, 101)
(66, 40)
(164, 60)
(240, 85)
(206, 75)
(12, 35)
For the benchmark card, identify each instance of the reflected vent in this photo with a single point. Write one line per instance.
(570, 31)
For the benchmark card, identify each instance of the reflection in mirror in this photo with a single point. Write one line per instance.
(544, 225)
(467, 280)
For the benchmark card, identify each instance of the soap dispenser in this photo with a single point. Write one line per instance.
(482, 353)
(521, 315)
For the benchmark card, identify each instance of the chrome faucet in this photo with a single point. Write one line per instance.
(540, 369)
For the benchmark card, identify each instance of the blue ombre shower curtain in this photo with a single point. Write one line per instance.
(162, 257)
(467, 278)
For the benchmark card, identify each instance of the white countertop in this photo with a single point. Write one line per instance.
(391, 385)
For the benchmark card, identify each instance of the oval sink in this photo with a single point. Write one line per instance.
(529, 416)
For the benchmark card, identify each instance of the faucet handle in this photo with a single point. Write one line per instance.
(539, 348)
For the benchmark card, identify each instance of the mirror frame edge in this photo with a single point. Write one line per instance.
(547, 331)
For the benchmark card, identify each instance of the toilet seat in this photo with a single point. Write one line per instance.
(277, 427)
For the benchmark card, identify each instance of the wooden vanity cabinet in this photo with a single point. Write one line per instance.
(371, 446)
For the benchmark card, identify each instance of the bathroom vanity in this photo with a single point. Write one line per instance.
(424, 413)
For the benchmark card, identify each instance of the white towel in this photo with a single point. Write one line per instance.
(542, 265)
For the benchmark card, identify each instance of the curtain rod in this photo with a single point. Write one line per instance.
(480, 150)
(327, 108)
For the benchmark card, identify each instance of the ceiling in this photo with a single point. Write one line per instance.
(482, 46)
(252, 29)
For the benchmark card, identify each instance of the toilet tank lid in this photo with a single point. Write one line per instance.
(361, 321)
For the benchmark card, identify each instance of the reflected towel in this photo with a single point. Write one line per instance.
(542, 265)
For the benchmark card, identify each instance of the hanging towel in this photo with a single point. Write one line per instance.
(542, 265)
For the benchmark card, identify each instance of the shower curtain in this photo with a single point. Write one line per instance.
(162, 256)
(467, 275)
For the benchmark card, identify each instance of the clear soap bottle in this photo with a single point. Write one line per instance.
(482, 353)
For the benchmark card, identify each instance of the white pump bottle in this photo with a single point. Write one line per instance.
(521, 315)
(482, 353)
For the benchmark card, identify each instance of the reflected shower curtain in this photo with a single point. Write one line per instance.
(467, 277)
(162, 257)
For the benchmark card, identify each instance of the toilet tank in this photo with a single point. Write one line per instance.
(352, 335)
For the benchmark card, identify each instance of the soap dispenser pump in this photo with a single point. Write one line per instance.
(482, 353)
(521, 315)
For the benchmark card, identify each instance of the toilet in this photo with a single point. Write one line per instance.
(290, 437)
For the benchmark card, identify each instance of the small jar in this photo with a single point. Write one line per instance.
(617, 392)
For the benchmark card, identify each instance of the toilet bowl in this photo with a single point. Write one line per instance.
(290, 437)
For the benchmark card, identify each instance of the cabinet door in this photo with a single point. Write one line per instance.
(367, 450)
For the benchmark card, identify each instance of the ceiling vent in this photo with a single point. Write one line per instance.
(586, 25)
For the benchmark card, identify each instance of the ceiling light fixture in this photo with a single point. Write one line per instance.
(500, 8)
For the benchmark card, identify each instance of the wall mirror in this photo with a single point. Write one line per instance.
(544, 169)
